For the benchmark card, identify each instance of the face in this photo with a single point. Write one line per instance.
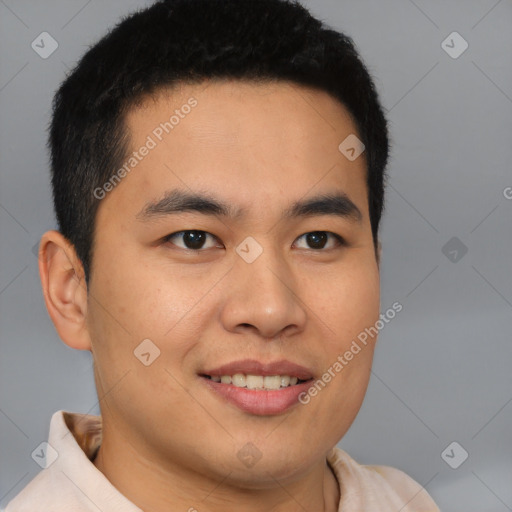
(257, 288)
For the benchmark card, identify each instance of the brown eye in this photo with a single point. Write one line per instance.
(317, 240)
(193, 240)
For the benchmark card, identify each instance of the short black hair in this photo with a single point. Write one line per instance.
(192, 41)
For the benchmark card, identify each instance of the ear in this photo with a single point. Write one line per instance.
(64, 289)
(379, 253)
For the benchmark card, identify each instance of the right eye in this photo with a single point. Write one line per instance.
(192, 239)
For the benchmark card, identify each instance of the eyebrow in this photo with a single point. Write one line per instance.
(179, 201)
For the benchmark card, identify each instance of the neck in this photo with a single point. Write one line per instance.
(152, 488)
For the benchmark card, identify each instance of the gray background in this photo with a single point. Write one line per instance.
(442, 366)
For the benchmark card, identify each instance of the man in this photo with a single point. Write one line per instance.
(218, 173)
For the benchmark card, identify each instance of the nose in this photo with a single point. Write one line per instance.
(263, 297)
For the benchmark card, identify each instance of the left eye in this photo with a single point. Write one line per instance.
(318, 239)
(194, 239)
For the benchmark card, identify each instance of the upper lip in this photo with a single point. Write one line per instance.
(254, 367)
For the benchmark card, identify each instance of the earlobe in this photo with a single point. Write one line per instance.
(64, 289)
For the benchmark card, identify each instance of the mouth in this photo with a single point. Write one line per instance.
(258, 388)
(257, 382)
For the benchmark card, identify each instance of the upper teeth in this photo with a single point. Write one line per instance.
(257, 381)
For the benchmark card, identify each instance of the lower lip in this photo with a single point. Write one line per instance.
(261, 403)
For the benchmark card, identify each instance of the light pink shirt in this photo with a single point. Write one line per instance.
(71, 483)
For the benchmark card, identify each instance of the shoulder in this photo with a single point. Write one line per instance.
(66, 468)
(375, 487)
(408, 490)
(33, 496)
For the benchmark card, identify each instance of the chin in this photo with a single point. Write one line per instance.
(264, 474)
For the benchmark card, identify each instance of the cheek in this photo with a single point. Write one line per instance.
(348, 301)
(350, 304)
(134, 311)
(133, 297)
(136, 300)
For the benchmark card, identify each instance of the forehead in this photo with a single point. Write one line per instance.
(241, 140)
(225, 105)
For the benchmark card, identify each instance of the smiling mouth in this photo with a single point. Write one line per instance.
(257, 382)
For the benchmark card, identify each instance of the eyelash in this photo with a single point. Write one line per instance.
(167, 239)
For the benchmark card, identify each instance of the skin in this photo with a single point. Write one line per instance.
(169, 443)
